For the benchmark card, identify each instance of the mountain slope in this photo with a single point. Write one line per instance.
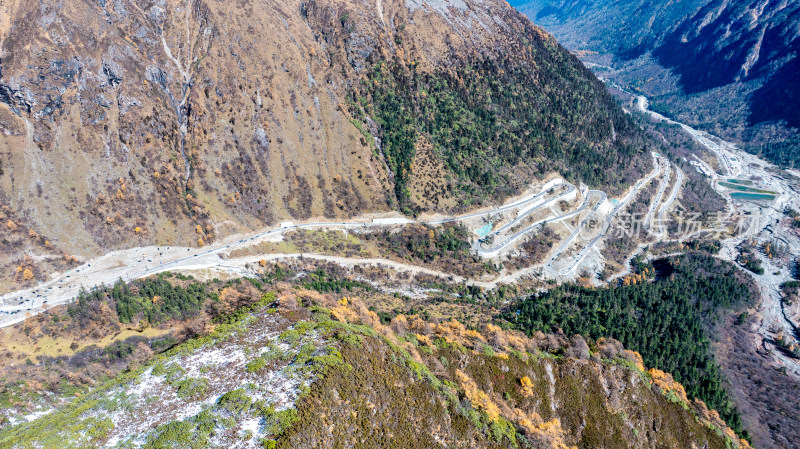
(728, 62)
(615, 27)
(329, 374)
(495, 121)
(168, 122)
(739, 42)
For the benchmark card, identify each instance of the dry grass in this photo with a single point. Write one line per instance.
(333, 243)
(22, 346)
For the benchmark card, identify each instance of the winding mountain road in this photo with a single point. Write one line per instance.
(140, 262)
(515, 205)
(495, 250)
(662, 187)
(606, 224)
(671, 199)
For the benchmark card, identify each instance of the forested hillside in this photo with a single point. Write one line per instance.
(668, 320)
(491, 128)
(284, 364)
(496, 116)
(726, 66)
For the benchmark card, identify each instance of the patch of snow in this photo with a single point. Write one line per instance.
(30, 416)
(251, 424)
(229, 358)
(151, 401)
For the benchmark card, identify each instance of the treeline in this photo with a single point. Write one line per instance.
(666, 320)
(486, 116)
(323, 282)
(152, 299)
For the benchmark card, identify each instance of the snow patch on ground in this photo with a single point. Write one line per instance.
(30, 416)
(197, 363)
(150, 400)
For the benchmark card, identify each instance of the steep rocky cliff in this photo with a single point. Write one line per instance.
(165, 116)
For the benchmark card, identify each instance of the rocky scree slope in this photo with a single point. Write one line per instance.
(169, 122)
(731, 64)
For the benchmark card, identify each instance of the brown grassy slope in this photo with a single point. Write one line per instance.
(108, 106)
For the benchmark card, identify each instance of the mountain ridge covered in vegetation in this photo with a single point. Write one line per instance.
(300, 368)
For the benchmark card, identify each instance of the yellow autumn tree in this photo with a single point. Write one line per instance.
(667, 384)
(423, 339)
(477, 397)
(527, 386)
(549, 433)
